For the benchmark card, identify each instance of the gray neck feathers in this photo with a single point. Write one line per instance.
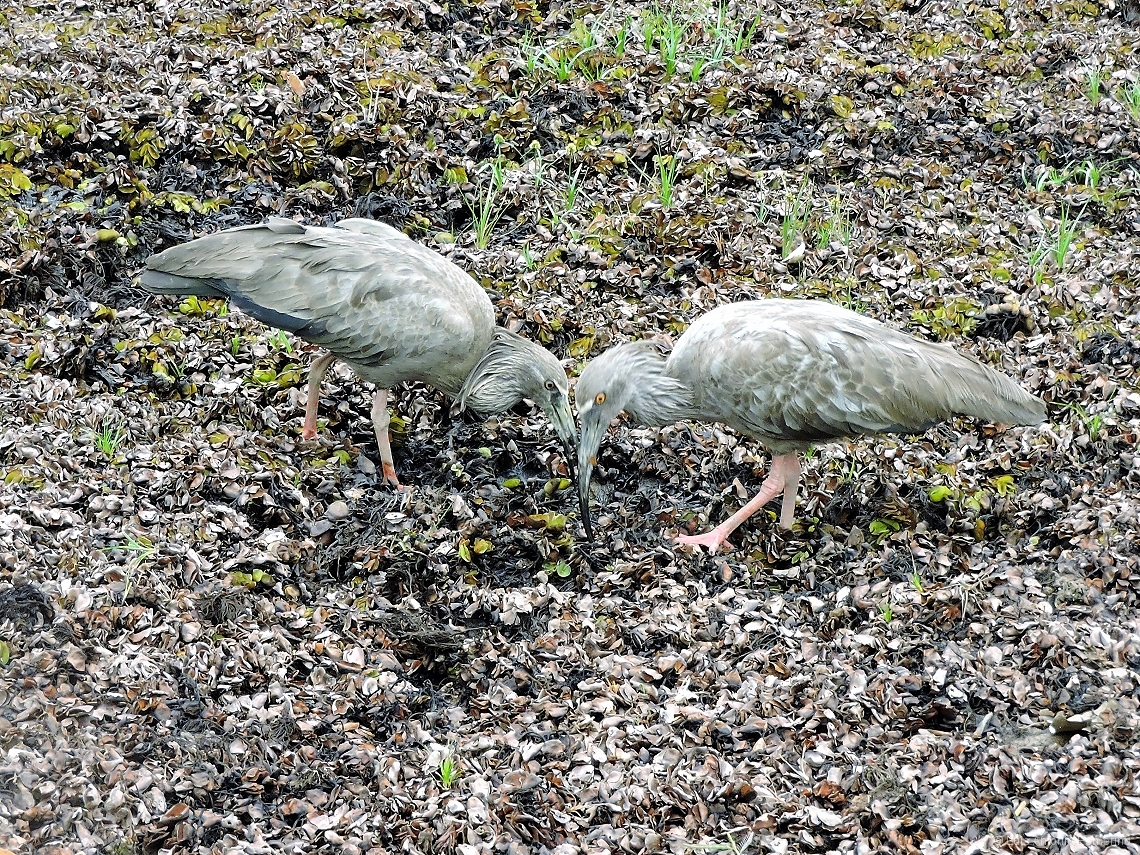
(655, 397)
(495, 384)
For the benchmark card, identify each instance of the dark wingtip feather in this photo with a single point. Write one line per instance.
(1009, 404)
(983, 392)
(1032, 411)
(311, 330)
(170, 283)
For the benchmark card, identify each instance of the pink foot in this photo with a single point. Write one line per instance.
(308, 432)
(390, 476)
(712, 539)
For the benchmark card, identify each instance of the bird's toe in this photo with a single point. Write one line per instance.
(712, 540)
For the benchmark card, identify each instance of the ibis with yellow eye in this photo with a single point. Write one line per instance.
(791, 374)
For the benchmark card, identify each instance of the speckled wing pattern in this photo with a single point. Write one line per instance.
(796, 372)
(390, 307)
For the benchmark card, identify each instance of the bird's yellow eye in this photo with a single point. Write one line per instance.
(600, 398)
(549, 384)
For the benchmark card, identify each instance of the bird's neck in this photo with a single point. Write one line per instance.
(662, 404)
(494, 386)
(657, 398)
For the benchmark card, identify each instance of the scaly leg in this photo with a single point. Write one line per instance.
(784, 478)
(380, 421)
(313, 393)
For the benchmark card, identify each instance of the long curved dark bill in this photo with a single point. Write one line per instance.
(571, 452)
(585, 471)
(588, 445)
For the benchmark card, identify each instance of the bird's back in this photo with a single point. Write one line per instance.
(795, 372)
(390, 307)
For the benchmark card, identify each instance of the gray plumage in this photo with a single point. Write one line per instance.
(388, 306)
(793, 373)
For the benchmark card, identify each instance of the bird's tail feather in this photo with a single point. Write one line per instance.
(170, 283)
(985, 393)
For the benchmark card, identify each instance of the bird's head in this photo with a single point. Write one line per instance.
(626, 378)
(514, 368)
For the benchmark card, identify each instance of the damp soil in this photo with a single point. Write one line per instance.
(217, 637)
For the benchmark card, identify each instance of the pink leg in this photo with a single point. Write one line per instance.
(313, 394)
(380, 421)
(784, 478)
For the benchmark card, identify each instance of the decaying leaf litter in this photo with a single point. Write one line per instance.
(219, 637)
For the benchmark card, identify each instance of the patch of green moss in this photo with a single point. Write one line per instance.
(955, 317)
(991, 24)
(925, 45)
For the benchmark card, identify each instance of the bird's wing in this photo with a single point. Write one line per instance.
(809, 371)
(366, 291)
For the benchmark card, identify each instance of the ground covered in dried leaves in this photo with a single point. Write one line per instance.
(217, 637)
